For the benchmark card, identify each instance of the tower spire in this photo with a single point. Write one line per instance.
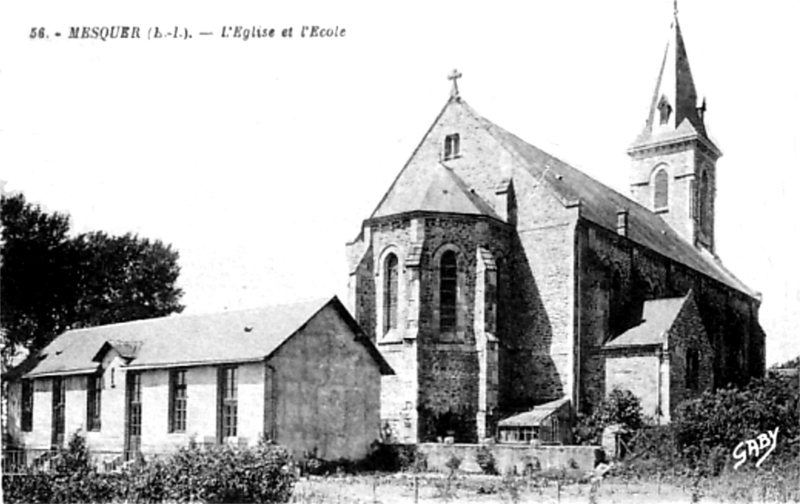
(674, 159)
(674, 104)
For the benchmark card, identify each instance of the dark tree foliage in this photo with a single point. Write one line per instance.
(124, 278)
(52, 282)
(36, 275)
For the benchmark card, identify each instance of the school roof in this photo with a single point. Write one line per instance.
(190, 340)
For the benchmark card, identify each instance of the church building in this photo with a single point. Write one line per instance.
(495, 278)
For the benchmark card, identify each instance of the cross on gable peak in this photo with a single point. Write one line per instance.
(454, 76)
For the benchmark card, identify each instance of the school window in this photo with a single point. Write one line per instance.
(58, 406)
(93, 400)
(177, 401)
(448, 291)
(451, 146)
(228, 401)
(27, 406)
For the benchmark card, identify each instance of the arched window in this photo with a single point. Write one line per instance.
(702, 205)
(661, 190)
(390, 279)
(448, 289)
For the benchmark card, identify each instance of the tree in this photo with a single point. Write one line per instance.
(35, 275)
(52, 282)
(124, 278)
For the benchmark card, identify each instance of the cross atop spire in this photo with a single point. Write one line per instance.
(454, 76)
(675, 7)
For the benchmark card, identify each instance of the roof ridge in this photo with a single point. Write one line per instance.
(450, 100)
(184, 316)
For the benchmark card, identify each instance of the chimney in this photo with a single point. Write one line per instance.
(622, 222)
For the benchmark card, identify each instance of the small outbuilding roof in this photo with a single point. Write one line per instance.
(187, 340)
(658, 316)
(536, 416)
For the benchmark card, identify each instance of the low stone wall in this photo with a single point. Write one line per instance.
(512, 457)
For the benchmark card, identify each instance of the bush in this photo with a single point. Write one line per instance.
(719, 421)
(453, 463)
(705, 430)
(392, 458)
(620, 407)
(485, 459)
(221, 474)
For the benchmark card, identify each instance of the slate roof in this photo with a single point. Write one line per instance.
(676, 85)
(536, 416)
(600, 204)
(658, 316)
(441, 190)
(186, 340)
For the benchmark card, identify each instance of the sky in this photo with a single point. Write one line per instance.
(259, 159)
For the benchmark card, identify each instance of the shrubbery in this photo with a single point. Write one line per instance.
(723, 419)
(620, 407)
(220, 474)
(485, 459)
(392, 458)
(705, 430)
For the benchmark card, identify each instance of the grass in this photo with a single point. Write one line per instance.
(779, 484)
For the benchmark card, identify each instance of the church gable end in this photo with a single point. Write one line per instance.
(494, 276)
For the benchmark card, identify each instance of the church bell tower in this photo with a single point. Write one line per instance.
(674, 159)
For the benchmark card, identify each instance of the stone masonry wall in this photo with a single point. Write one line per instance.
(435, 390)
(729, 316)
(638, 370)
(689, 333)
(449, 369)
(537, 357)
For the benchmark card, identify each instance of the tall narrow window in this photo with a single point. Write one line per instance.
(177, 401)
(448, 291)
(94, 388)
(692, 369)
(451, 146)
(661, 190)
(27, 406)
(133, 427)
(59, 398)
(702, 203)
(390, 280)
(228, 407)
